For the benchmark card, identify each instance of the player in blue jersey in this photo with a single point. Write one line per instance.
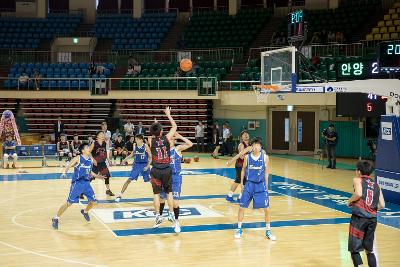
(141, 164)
(256, 170)
(80, 184)
(176, 156)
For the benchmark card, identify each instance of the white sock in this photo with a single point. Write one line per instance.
(120, 195)
(268, 226)
(230, 194)
(240, 195)
(239, 225)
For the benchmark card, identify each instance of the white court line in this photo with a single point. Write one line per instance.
(47, 256)
(14, 221)
(101, 222)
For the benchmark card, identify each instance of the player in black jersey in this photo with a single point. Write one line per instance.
(161, 173)
(366, 200)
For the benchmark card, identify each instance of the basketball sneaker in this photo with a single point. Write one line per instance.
(270, 236)
(230, 199)
(159, 220)
(85, 215)
(54, 223)
(108, 192)
(177, 227)
(118, 199)
(238, 233)
(171, 217)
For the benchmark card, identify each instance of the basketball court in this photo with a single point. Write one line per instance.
(309, 218)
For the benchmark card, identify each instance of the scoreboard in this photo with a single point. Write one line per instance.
(296, 25)
(360, 105)
(389, 56)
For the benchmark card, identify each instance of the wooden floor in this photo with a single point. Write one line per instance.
(309, 217)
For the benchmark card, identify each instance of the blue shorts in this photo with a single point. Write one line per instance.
(81, 187)
(138, 169)
(176, 187)
(257, 192)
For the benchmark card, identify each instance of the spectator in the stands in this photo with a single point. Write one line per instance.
(115, 135)
(281, 39)
(75, 144)
(36, 79)
(92, 68)
(199, 134)
(100, 69)
(316, 38)
(129, 145)
(129, 129)
(23, 80)
(118, 150)
(58, 129)
(140, 129)
(9, 147)
(331, 37)
(274, 39)
(340, 37)
(133, 66)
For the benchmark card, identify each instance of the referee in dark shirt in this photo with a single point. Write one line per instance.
(331, 139)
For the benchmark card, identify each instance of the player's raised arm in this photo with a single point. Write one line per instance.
(174, 127)
(73, 162)
(188, 144)
(240, 155)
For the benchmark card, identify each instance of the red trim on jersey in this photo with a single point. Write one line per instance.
(356, 233)
(362, 205)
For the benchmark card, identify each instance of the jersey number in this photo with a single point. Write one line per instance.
(162, 154)
(370, 197)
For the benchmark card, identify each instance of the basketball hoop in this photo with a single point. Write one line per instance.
(262, 91)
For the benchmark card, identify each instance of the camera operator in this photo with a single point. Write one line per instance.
(331, 139)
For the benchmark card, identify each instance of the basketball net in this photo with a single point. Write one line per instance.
(262, 91)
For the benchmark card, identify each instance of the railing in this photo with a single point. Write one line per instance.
(78, 12)
(75, 34)
(236, 85)
(206, 86)
(355, 49)
(52, 57)
(7, 12)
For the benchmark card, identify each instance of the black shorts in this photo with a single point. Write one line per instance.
(361, 233)
(161, 180)
(238, 175)
(101, 169)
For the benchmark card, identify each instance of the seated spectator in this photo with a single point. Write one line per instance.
(23, 80)
(130, 71)
(75, 145)
(92, 68)
(315, 39)
(133, 66)
(37, 77)
(100, 69)
(331, 37)
(9, 147)
(129, 145)
(129, 129)
(115, 135)
(63, 149)
(118, 150)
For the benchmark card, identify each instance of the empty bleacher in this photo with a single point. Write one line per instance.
(21, 33)
(218, 29)
(186, 113)
(8, 104)
(81, 116)
(127, 33)
(389, 27)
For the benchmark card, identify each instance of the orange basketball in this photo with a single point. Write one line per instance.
(186, 65)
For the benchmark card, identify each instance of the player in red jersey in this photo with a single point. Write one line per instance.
(161, 172)
(365, 202)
